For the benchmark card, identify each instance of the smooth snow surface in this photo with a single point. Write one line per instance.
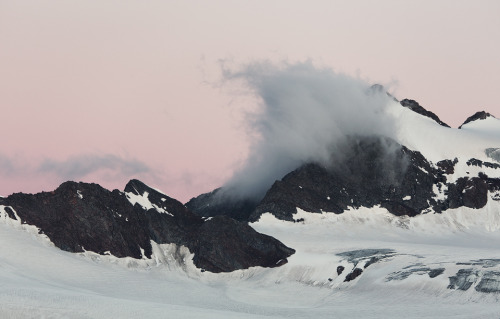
(407, 264)
(436, 142)
(38, 280)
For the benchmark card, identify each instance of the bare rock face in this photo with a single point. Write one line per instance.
(81, 217)
(373, 171)
(216, 204)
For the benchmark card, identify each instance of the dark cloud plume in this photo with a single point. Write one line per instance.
(305, 112)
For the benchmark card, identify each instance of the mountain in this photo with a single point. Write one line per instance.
(382, 171)
(80, 217)
(401, 225)
(482, 115)
(433, 181)
(417, 108)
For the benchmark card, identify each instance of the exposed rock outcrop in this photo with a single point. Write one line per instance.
(80, 216)
(415, 107)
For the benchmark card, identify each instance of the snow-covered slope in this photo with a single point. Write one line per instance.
(408, 274)
(436, 142)
(361, 261)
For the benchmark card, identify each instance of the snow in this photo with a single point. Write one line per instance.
(37, 280)
(144, 201)
(79, 194)
(44, 281)
(436, 142)
(490, 125)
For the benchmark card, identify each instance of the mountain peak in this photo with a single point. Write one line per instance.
(137, 187)
(481, 115)
(415, 107)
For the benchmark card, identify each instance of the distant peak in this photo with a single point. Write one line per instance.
(417, 108)
(137, 187)
(482, 115)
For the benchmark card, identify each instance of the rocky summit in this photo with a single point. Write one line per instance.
(369, 171)
(375, 171)
(79, 217)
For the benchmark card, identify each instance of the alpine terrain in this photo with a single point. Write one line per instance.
(386, 226)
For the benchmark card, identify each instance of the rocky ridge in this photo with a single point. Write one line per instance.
(79, 217)
(372, 171)
(482, 115)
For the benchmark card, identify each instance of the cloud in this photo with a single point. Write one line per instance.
(8, 167)
(77, 167)
(304, 113)
(73, 168)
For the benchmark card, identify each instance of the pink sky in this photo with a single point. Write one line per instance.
(106, 91)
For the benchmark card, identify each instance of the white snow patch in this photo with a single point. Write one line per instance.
(19, 225)
(144, 201)
(437, 143)
(407, 197)
(79, 194)
(440, 194)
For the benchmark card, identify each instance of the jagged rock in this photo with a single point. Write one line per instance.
(340, 269)
(414, 106)
(463, 279)
(353, 275)
(482, 115)
(215, 204)
(80, 216)
(372, 171)
(401, 182)
(415, 270)
(222, 236)
(447, 166)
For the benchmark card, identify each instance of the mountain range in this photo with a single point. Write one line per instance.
(418, 211)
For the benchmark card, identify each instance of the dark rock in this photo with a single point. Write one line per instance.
(490, 282)
(373, 172)
(371, 261)
(415, 107)
(340, 269)
(223, 243)
(482, 115)
(463, 280)
(479, 163)
(415, 270)
(468, 192)
(365, 172)
(447, 166)
(216, 203)
(355, 256)
(80, 216)
(353, 275)
(433, 273)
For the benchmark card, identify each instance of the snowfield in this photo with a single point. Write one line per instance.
(364, 263)
(38, 280)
